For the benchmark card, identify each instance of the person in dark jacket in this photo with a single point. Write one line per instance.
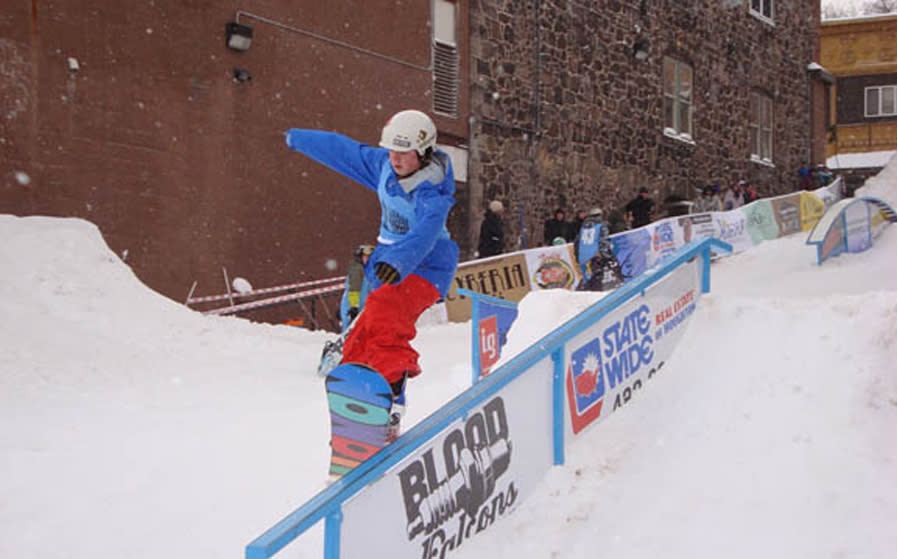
(640, 210)
(492, 233)
(557, 227)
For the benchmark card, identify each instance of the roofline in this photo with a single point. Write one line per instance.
(860, 19)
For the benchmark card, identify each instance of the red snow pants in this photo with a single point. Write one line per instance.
(381, 337)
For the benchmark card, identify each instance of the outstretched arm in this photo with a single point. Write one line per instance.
(340, 153)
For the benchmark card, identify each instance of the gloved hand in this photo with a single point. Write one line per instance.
(386, 273)
(352, 313)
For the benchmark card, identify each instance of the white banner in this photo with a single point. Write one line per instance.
(552, 267)
(667, 236)
(455, 488)
(732, 227)
(610, 362)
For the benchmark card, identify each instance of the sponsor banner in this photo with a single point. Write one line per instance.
(488, 343)
(632, 251)
(812, 209)
(462, 482)
(787, 211)
(506, 278)
(494, 323)
(697, 226)
(732, 227)
(552, 267)
(667, 237)
(857, 227)
(761, 221)
(831, 193)
(609, 363)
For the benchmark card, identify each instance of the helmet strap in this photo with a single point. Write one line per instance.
(425, 159)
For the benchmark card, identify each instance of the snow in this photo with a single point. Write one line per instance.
(868, 160)
(132, 426)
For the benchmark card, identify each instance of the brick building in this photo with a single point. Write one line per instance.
(139, 118)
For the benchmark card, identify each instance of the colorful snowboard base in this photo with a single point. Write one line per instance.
(360, 401)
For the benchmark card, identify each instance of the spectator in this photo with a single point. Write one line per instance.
(556, 227)
(578, 222)
(824, 176)
(492, 233)
(709, 201)
(617, 221)
(356, 287)
(749, 194)
(640, 210)
(732, 198)
(805, 181)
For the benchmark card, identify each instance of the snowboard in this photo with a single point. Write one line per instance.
(604, 274)
(360, 402)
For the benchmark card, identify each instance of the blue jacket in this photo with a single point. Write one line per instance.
(592, 240)
(413, 237)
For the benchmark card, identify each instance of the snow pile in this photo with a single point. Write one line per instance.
(131, 426)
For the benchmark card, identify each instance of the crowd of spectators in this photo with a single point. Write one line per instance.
(639, 211)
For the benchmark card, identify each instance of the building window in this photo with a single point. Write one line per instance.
(761, 127)
(678, 95)
(445, 59)
(762, 8)
(879, 101)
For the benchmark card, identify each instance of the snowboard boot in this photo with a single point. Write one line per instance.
(398, 408)
(331, 356)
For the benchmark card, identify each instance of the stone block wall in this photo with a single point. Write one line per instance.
(565, 116)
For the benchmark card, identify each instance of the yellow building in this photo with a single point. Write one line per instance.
(860, 53)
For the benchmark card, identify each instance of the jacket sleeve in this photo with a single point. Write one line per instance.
(348, 157)
(432, 210)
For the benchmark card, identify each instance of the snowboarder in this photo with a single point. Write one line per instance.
(414, 263)
(594, 254)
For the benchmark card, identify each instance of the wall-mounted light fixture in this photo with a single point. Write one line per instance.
(240, 36)
(641, 49)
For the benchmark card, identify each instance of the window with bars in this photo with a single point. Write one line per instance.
(879, 101)
(762, 9)
(761, 127)
(678, 96)
(445, 58)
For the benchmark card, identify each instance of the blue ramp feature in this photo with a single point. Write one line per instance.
(850, 225)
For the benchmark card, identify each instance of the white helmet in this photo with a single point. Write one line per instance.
(409, 131)
(596, 211)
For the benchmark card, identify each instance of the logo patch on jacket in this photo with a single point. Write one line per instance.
(396, 222)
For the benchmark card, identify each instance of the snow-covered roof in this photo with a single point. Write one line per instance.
(857, 18)
(867, 160)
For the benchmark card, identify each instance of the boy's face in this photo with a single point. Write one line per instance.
(404, 162)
